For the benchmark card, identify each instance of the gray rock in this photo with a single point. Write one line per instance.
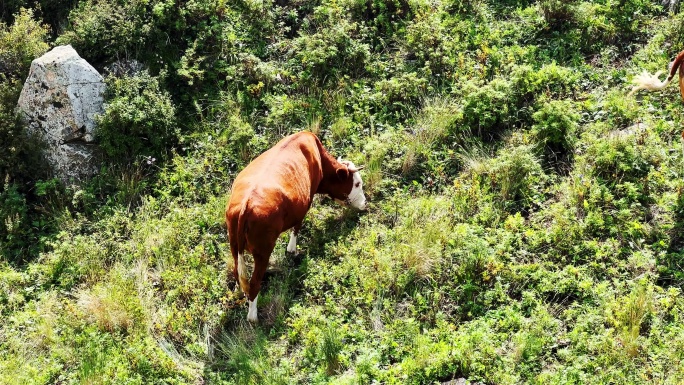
(59, 102)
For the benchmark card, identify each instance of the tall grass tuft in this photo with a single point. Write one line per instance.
(331, 346)
(629, 315)
(433, 124)
(113, 305)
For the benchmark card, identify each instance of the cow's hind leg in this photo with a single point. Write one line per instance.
(260, 265)
(232, 240)
(262, 240)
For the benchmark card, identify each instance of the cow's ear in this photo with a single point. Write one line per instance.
(342, 173)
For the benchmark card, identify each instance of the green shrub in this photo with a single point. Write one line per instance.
(139, 119)
(330, 347)
(384, 18)
(507, 103)
(558, 12)
(470, 258)
(330, 53)
(630, 316)
(227, 143)
(429, 44)
(430, 133)
(53, 12)
(489, 110)
(287, 114)
(551, 80)
(113, 304)
(555, 128)
(17, 238)
(20, 43)
(515, 176)
(245, 356)
(100, 30)
(21, 159)
(622, 155)
(630, 18)
(617, 109)
(12, 284)
(672, 32)
(394, 97)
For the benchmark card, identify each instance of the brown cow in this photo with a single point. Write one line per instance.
(273, 194)
(646, 81)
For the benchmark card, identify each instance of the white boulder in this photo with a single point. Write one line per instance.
(60, 99)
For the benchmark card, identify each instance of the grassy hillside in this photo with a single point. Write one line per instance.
(526, 220)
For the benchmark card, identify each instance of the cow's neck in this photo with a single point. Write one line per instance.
(329, 166)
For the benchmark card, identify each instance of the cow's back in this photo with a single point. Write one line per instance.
(276, 188)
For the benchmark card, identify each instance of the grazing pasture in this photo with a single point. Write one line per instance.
(525, 222)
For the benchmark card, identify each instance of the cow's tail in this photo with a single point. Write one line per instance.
(243, 274)
(646, 81)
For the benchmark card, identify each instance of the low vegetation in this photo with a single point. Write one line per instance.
(526, 223)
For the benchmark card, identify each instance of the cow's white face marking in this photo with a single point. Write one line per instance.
(292, 245)
(252, 314)
(356, 197)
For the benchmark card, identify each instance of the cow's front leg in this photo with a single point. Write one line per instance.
(252, 312)
(292, 245)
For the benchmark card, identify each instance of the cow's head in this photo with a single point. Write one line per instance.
(349, 188)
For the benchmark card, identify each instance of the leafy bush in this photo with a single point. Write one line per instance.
(384, 18)
(331, 52)
(515, 176)
(502, 104)
(20, 154)
(430, 133)
(139, 119)
(393, 97)
(17, 239)
(558, 12)
(213, 160)
(630, 315)
(108, 29)
(488, 110)
(618, 110)
(20, 43)
(428, 43)
(22, 164)
(622, 155)
(555, 127)
(114, 311)
(52, 12)
(551, 80)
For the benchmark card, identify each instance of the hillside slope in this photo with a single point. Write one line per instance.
(526, 214)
